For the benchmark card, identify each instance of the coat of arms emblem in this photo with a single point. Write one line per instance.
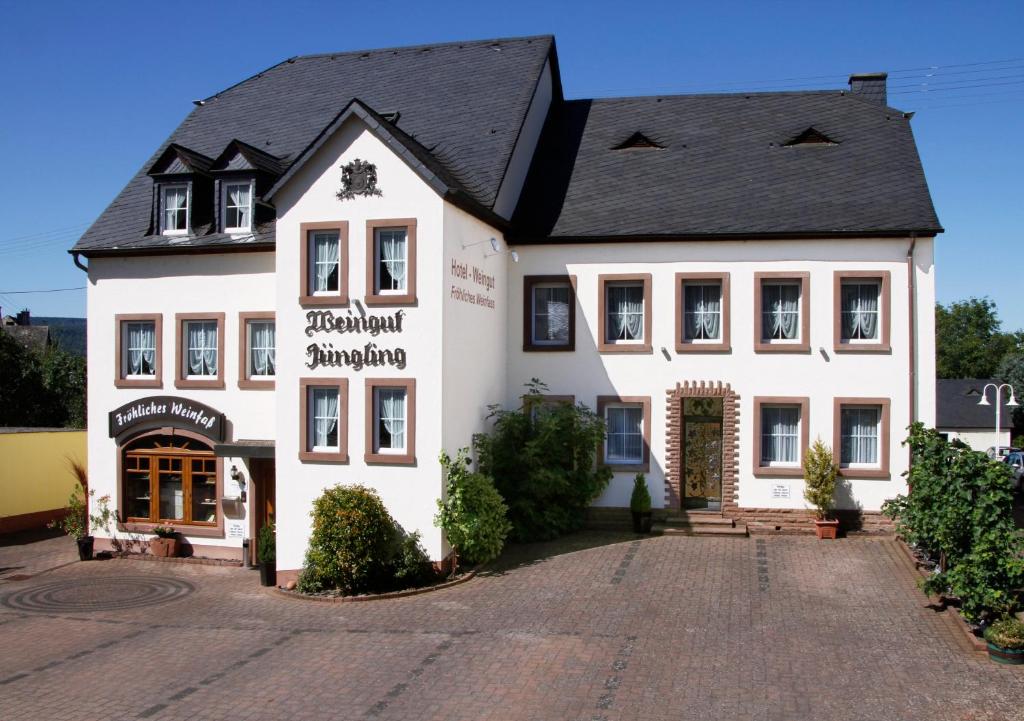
(358, 178)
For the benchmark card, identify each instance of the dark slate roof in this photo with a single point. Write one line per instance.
(724, 169)
(956, 405)
(464, 102)
(33, 337)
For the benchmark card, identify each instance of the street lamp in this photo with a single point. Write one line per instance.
(1011, 403)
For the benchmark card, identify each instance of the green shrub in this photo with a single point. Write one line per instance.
(542, 459)
(1006, 633)
(472, 513)
(266, 544)
(75, 521)
(640, 501)
(353, 543)
(411, 567)
(960, 511)
(820, 473)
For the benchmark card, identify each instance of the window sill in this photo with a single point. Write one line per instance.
(769, 347)
(335, 299)
(628, 467)
(155, 382)
(549, 348)
(691, 347)
(624, 348)
(214, 383)
(881, 474)
(254, 384)
(390, 459)
(778, 472)
(387, 299)
(862, 348)
(184, 529)
(322, 457)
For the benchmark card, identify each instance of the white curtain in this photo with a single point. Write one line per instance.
(175, 210)
(326, 250)
(202, 349)
(625, 435)
(780, 311)
(860, 311)
(392, 256)
(703, 311)
(625, 312)
(141, 349)
(392, 418)
(238, 199)
(859, 428)
(551, 314)
(325, 417)
(262, 341)
(779, 435)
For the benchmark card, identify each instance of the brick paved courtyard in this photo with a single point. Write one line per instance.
(593, 627)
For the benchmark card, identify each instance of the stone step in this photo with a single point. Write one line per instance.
(697, 519)
(660, 529)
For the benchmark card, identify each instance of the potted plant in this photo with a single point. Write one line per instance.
(266, 554)
(165, 545)
(75, 522)
(820, 473)
(1005, 641)
(640, 505)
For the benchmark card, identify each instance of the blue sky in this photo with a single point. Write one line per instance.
(90, 90)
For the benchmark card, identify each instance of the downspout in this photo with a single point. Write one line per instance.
(912, 344)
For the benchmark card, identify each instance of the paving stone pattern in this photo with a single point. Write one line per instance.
(592, 628)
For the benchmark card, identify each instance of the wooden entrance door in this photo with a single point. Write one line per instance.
(264, 483)
(702, 453)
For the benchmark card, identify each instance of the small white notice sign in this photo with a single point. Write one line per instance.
(780, 490)
(236, 530)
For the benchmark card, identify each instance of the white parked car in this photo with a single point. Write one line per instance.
(1015, 460)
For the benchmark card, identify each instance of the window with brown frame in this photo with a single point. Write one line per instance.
(862, 311)
(199, 357)
(323, 411)
(391, 261)
(549, 313)
(170, 479)
(702, 313)
(781, 432)
(627, 445)
(860, 428)
(390, 421)
(782, 312)
(323, 263)
(624, 313)
(138, 350)
(257, 352)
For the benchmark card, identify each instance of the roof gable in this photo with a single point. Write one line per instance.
(242, 156)
(177, 160)
(956, 405)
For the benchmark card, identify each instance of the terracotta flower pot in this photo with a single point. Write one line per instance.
(826, 529)
(164, 547)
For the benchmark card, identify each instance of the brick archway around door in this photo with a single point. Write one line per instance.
(674, 437)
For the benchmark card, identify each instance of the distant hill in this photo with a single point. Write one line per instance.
(69, 333)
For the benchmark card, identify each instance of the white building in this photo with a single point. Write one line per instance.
(313, 282)
(958, 415)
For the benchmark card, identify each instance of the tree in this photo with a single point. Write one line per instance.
(969, 342)
(1011, 371)
(40, 389)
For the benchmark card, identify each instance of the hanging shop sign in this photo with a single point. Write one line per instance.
(324, 354)
(161, 411)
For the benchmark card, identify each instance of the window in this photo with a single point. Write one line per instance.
(782, 305)
(862, 308)
(138, 351)
(538, 404)
(200, 340)
(174, 204)
(324, 410)
(549, 313)
(324, 262)
(257, 350)
(702, 312)
(780, 436)
(624, 323)
(628, 438)
(390, 420)
(170, 479)
(861, 436)
(391, 261)
(237, 203)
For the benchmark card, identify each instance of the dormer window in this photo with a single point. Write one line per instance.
(174, 206)
(237, 203)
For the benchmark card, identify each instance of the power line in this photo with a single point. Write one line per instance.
(50, 290)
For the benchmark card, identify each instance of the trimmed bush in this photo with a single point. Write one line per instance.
(820, 473)
(640, 500)
(472, 513)
(353, 544)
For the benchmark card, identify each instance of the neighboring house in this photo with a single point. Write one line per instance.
(959, 417)
(331, 270)
(20, 328)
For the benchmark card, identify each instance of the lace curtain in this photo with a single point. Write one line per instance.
(391, 411)
(780, 311)
(202, 348)
(625, 312)
(141, 349)
(551, 314)
(779, 435)
(325, 418)
(392, 258)
(325, 258)
(859, 428)
(262, 343)
(860, 310)
(703, 311)
(175, 208)
(238, 206)
(625, 435)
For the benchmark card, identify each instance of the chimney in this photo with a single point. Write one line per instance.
(24, 318)
(870, 86)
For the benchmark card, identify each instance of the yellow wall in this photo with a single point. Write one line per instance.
(34, 471)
